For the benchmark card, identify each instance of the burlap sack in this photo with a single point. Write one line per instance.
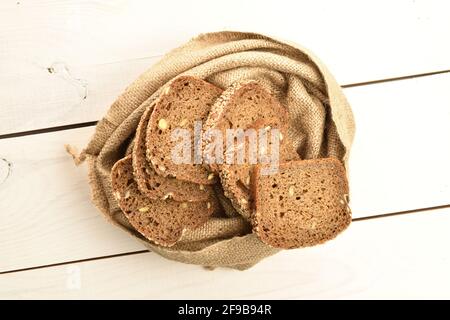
(321, 125)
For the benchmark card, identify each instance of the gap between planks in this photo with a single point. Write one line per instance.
(369, 170)
(93, 123)
(384, 259)
(386, 215)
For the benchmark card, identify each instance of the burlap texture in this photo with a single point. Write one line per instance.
(320, 117)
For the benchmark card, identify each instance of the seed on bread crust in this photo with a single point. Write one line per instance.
(291, 190)
(166, 90)
(168, 196)
(162, 124)
(156, 186)
(183, 122)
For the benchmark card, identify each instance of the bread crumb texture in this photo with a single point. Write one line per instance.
(302, 205)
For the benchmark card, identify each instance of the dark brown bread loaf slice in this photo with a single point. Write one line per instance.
(155, 186)
(243, 106)
(239, 107)
(184, 101)
(161, 221)
(302, 205)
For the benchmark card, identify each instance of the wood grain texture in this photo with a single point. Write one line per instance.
(401, 151)
(45, 210)
(397, 257)
(399, 162)
(65, 61)
(35, 97)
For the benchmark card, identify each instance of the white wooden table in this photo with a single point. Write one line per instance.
(62, 63)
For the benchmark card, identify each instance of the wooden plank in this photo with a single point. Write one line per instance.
(399, 162)
(397, 257)
(33, 97)
(45, 209)
(401, 152)
(107, 44)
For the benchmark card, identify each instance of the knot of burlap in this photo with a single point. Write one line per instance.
(321, 124)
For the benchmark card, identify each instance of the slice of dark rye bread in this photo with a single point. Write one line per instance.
(183, 101)
(161, 221)
(156, 186)
(302, 205)
(247, 105)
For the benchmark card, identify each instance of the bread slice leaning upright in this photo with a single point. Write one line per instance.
(183, 103)
(161, 221)
(157, 186)
(302, 205)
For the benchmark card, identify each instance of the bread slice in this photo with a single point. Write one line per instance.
(184, 101)
(161, 221)
(246, 105)
(240, 106)
(302, 205)
(155, 186)
(130, 147)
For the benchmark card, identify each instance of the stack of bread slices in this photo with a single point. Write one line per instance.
(300, 203)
